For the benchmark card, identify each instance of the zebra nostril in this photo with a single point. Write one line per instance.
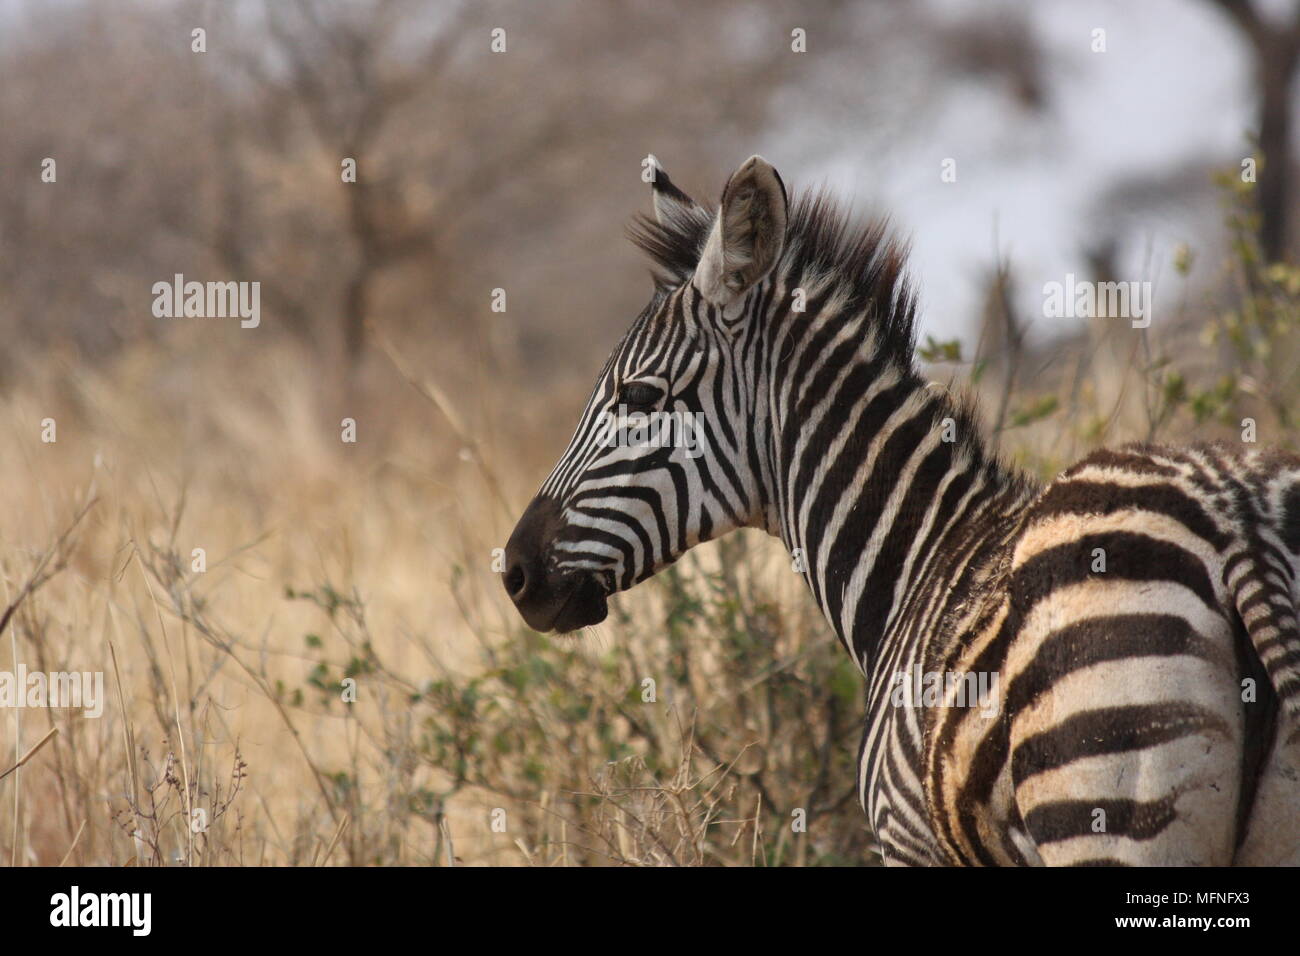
(525, 576)
(516, 581)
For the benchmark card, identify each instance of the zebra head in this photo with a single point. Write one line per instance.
(666, 453)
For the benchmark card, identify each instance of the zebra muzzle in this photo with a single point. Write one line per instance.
(548, 600)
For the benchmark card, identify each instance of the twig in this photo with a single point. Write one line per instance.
(446, 836)
(338, 832)
(438, 398)
(75, 840)
(1014, 345)
(31, 753)
(39, 577)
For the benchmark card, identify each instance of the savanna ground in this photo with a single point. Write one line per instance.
(333, 569)
(226, 739)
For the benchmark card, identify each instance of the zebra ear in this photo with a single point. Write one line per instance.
(674, 210)
(748, 233)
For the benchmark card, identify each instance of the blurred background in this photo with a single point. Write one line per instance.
(1012, 143)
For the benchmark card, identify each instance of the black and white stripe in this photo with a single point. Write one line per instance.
(1119, 691)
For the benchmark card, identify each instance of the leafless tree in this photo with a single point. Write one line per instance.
(1275, 48)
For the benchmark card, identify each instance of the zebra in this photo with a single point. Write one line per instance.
(1138, 613)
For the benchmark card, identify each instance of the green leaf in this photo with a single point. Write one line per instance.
(1036, 412)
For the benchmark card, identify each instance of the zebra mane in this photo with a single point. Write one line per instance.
(862, 263)
(859, 264)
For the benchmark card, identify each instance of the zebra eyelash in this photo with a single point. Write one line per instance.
(639, 394)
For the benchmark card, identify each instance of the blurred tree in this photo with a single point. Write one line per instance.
(1275, 48)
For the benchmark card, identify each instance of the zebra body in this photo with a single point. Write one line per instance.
(1132, 697)
(1114, 614)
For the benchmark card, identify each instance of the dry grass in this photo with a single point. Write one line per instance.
(326, 560)
(227, 739)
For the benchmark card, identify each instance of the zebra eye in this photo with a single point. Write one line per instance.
(639, 395)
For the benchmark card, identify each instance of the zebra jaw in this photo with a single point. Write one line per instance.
(584, 606)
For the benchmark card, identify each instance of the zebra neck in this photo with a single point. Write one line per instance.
(882, 482)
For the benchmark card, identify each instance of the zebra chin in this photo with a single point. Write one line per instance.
(549, 600)
(580, 605)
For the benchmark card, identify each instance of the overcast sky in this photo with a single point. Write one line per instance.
(1173, 88)
(1172, 92)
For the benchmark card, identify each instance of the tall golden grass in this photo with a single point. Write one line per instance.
(227, 739)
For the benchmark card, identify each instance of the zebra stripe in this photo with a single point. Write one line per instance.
(1136, 617)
